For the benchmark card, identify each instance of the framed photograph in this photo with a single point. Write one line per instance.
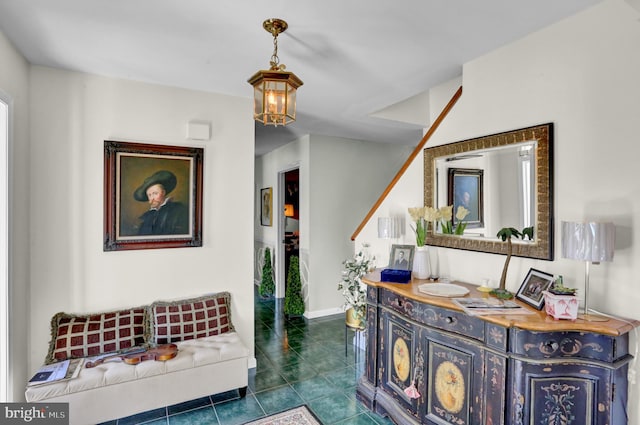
(266, 206)
(531, 289)
(152, 196)
(466, 189)
(401, 257)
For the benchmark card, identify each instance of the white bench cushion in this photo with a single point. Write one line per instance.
(191, 354)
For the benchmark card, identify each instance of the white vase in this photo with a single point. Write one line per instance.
(421, 269)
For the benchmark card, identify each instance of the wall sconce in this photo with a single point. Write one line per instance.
(389, 227)
(591, 243)
(274, 90)
(288, 210)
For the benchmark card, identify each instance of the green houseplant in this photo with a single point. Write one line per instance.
(558, 288)
(293, 301)
(353, 290)
(267, 285)
(506, 233)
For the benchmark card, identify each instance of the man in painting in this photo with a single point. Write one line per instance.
(164, 217)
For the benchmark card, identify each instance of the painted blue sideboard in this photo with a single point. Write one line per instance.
(429, 362)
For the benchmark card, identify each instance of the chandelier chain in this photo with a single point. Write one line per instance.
(275, 61)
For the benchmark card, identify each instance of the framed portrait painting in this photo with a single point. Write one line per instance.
(532, 287)
(266, 206)
(465, 189)
(152, 196)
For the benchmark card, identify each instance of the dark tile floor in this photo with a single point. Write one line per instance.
(300, 361)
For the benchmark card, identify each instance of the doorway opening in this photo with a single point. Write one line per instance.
(289, 225)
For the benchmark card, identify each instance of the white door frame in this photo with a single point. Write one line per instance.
(5, 305)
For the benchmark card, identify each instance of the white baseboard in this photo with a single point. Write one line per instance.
(323, 313)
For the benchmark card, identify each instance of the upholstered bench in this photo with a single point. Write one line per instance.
(211, 358)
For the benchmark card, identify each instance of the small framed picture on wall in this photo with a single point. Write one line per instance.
(266, 206)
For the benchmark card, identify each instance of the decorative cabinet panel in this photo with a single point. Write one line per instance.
(433, 316)
(567, 393)
(429, 362)
(569, 344)
(454, 369)
(397, 359)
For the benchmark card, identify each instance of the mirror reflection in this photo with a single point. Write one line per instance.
(496, 186)
(501, 180)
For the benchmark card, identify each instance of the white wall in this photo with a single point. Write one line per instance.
(14, 84)
(340, 179)
(71, 115)
(347, 177)
(582, 74)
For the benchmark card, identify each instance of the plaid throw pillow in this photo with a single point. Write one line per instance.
(75, 336)
(191, 318)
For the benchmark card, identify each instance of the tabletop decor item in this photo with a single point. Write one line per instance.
(395, 276)
(560, 301)
(353, 290)
(593, 243)
(561, 306)
(447, 290)
(401, 257)
(532, 288)
(422, 216)
(506, 233)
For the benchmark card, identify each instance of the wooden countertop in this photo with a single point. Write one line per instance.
(538, 321)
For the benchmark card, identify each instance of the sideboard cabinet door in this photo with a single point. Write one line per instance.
(454, 370)
(568, 393)
(398, 345)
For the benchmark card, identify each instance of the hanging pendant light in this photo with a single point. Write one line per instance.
(274, 90)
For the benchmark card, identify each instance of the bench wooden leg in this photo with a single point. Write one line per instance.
(243, 392)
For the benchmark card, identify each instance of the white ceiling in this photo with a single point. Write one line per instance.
(355, 57)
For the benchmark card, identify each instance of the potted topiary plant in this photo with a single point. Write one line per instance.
(293, 301)
(560, 302)
(506, 233)
(267, 286)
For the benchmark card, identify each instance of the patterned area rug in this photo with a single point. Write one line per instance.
(296, 416)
